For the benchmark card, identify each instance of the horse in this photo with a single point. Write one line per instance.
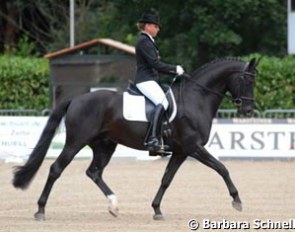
(95, 119)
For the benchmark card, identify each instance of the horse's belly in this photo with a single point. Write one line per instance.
(129, 134)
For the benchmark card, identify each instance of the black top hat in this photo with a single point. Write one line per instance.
(150, 18)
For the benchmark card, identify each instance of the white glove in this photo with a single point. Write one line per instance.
(179, 70)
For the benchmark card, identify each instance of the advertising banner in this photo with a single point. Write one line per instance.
(236, 138)
(253, 138)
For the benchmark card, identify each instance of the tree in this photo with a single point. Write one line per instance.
(192, 33)
(196, 31)
(45, 22)
(9, 15)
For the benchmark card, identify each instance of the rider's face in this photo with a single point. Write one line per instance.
(152, 29)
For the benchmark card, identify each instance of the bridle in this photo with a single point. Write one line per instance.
(241, 96)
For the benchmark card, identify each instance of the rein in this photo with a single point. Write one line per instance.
(210, 90)
(238, 100)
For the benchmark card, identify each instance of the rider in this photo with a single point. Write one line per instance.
(147, 79)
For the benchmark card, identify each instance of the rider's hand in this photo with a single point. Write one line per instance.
(179, 70)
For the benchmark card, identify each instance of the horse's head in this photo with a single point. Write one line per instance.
(242, 88)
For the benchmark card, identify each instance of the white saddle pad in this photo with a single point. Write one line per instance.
(134, 107)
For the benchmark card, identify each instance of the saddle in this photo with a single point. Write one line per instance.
(137, 107)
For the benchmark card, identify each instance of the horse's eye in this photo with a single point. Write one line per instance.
(238, 101)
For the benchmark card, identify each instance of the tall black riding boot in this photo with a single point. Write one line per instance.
(154, 141)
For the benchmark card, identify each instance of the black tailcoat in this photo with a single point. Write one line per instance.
(148, 61)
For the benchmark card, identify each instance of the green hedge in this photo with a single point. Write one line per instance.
(24, 83)
(276, 83)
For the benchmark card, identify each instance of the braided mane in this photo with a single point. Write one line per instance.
(206, 66)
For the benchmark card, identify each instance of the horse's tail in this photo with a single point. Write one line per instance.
(23, 175)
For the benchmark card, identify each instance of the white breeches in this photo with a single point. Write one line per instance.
(154, 92)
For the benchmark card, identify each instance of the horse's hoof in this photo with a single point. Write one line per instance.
(113, 211)
(39, 216)
(237, 206)
(158, 217)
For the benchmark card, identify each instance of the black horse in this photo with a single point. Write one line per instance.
(95, 119)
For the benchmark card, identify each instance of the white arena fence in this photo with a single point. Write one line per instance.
(271, 136)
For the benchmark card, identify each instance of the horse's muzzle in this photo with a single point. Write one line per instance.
(246, 111)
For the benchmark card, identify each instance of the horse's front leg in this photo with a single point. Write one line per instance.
(206, 158)
(172, 167)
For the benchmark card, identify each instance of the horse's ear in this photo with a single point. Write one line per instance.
(258, 61)
(252, 63)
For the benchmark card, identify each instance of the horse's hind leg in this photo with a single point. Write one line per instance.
(102, 153)
(66, 156)
(206, 158)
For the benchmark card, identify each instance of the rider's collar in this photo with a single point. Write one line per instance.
(152, 39)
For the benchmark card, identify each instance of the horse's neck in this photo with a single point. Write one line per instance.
(218, 77)
(204, 92)
(191, 99)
